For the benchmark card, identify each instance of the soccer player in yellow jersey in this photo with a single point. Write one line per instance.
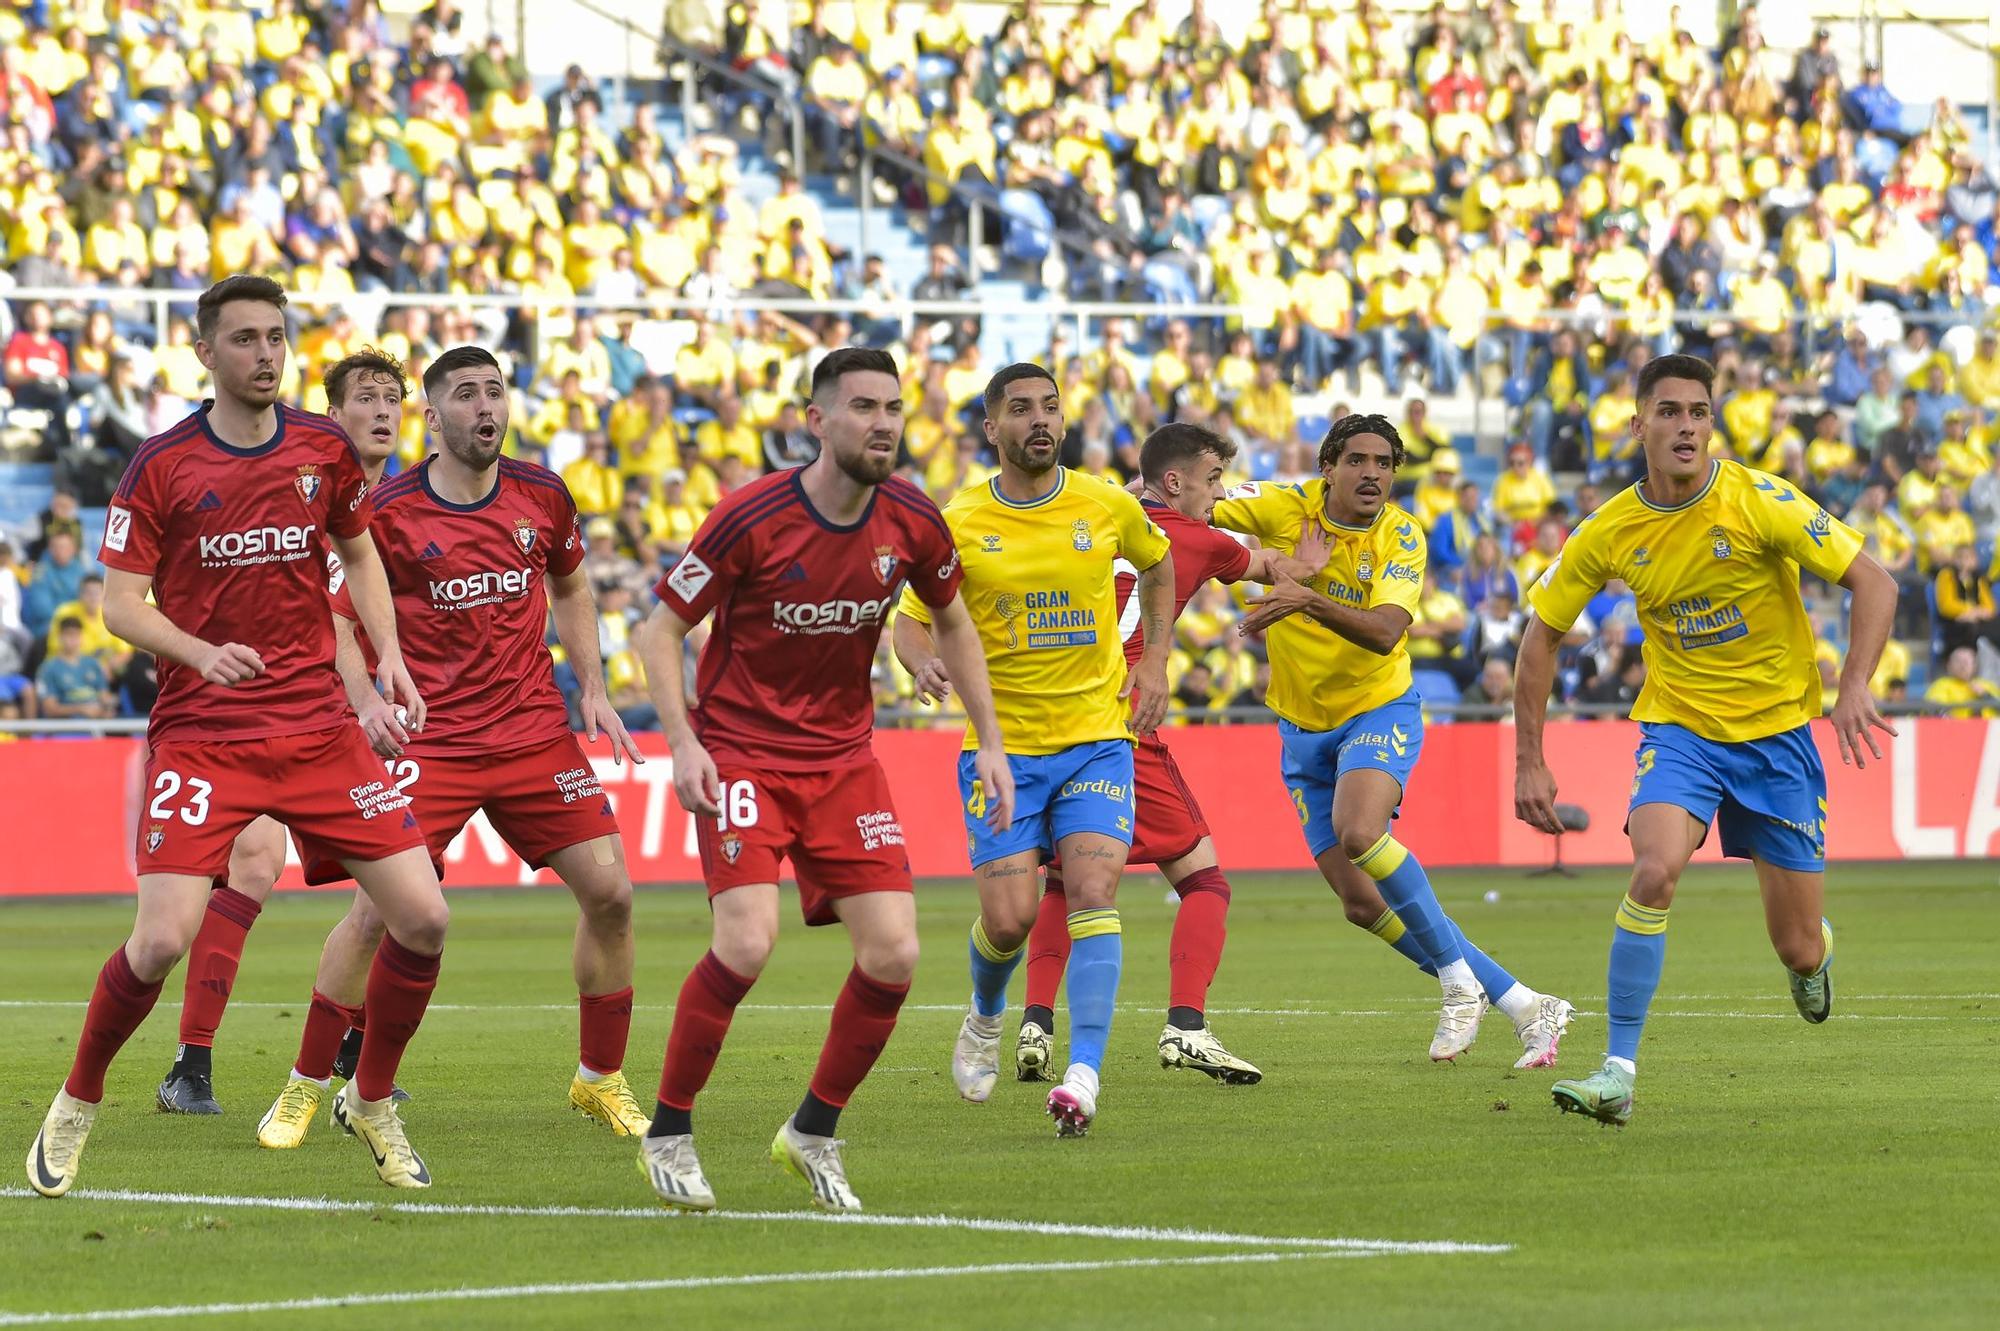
(1712, 550)
(1351, 724)
(1040, 545)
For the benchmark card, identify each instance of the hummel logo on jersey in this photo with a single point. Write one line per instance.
(432, 551)
(796, 573)
(210, 502)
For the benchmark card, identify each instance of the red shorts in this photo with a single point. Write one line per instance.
(540, 800)
(839, 829)
(326, 784)
(1170, 822)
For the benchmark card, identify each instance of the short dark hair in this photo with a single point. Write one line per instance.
(68, 622)
(851, 360)
(368, 360)
(1347, 427)
(996, 387)
(243, 286)
(456, 358)
(1180, 444)
(1675, 367)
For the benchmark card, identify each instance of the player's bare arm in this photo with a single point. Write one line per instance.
(368, 585)
(917, 650)
(1870, 616)
(1534, 680)
(961, 654)
(1146, 682)
(1377, 629)
(1267, 563)
(662, 645)
(129, 615)
(378, 719)
(575, 610)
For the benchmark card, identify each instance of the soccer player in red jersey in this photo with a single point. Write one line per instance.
(478, 549)
(225, 521)
(801, 568)
(364, 395)
(1182, 467)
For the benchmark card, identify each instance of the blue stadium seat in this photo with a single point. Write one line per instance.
(1027, 227)
(1438, 690)
(1312, 429)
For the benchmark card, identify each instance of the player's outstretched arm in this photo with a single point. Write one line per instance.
(368, 587)
(917, 650)
(1870, 616)
(1146, 681)
(130, 616)
(1534, 680)
(575, 610)
(662, 645)
(1305, 561)
(378, 720)
(964, 656)
(1377, 629)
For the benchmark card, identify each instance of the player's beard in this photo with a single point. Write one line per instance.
(864, 466)
(1017, 453)
(474, 453)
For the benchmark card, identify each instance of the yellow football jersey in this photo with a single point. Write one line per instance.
(1728, 650)
(1320, 680)
(1040, 584)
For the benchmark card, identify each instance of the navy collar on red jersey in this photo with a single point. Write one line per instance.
(424, 479)
(798, 482)
(277, 435)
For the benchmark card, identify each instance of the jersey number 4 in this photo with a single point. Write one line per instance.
(167, 787)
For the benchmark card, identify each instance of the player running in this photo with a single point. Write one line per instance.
(1712, 550)
(800, 568)
(479, 549)
(364, 394)
(1351, 724)
(1182, 467)
(1041, 546)
(225, 521)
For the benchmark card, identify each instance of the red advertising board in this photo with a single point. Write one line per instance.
(67, 815)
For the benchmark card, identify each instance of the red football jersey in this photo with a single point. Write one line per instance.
(1200, 552)
(235, 541)
(783, 681)
(471, 605)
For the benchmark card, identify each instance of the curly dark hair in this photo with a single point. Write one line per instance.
(1347, 427)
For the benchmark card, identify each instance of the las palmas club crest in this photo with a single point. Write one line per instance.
(884, 564)
(524, 535)
(308, 483)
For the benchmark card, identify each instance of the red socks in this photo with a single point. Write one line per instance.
(326, 1025)
(707, 1003)
(864, 1016)
(1199, 931)
(118, 1005)
(604, 1021)
(1048, 946)
(399, 989)
(212, 963)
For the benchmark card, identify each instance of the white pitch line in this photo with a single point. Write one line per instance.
(865, 1219)
(489, 1292)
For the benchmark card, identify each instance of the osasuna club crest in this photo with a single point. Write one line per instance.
(731, 846)
(308, 483)
(524, 535)
(884, 564)
(155, 834)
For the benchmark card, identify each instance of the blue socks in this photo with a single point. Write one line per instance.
(992, 967)
(1638, 950)
(1407, 890)
(1096, 955)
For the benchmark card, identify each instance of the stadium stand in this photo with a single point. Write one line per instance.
(1481, 220)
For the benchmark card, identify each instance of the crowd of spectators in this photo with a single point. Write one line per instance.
(1365, 186)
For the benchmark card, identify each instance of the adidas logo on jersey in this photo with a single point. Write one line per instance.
(796, 573)
(431, 551)
(210, 502)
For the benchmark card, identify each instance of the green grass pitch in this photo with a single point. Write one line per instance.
(1774, 1173)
